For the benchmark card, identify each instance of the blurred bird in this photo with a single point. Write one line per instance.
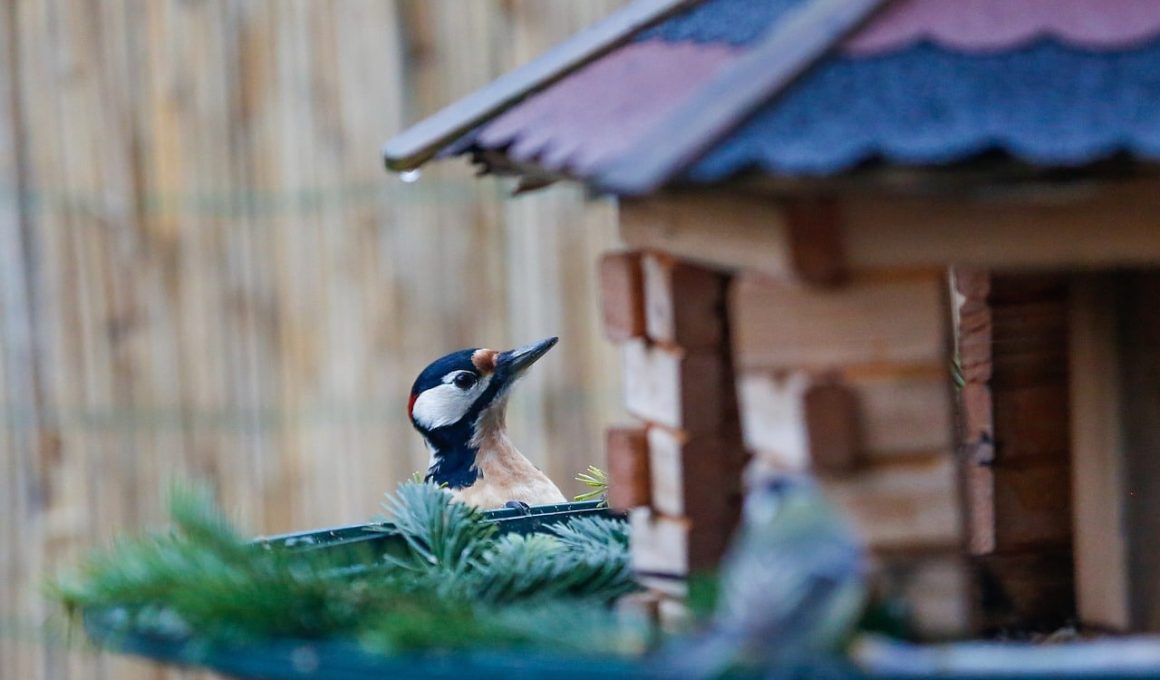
(458, 404)
(792, 585)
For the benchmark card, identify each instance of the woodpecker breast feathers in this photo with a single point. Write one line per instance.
(458, 404)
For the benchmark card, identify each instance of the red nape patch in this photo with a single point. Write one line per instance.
(411, 405)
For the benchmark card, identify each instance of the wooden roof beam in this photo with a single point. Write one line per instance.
(1075, 227)
(423, 140)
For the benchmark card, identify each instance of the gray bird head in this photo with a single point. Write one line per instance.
(780, 496)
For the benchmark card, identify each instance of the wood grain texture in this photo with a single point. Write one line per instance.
(910, 507)
(674, 546)
(1042, 229)
(895, 416)
(1026, 231)
(622, 296)
(1139, 344)
(938, 589)
(1029, 589)
(680, 390)
(866, 322)
(684, 303)
(1014, 422)
(629, 484)
(1101, 552)
(698, 478)
(833, 427)
(725, 230)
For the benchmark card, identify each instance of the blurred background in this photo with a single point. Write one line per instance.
(205, 272)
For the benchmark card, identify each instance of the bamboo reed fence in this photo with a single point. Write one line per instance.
(205, 272)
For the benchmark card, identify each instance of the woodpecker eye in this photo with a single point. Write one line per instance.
(465, 381)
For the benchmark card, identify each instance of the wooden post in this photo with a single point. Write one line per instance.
(1116, 440)
(1099, 449)
(1140, 381)
(1012, 344)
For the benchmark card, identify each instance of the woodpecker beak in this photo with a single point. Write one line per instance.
(515, 361)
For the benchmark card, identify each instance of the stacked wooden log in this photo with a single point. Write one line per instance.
(851, 383)
(1013, 349)
(678, 471)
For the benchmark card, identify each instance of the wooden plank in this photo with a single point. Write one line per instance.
(22, 470)
(904, 413)
(729, 230)
(773, 424)
(684, 303)
(1031, 505)
(977, 427)
(788, 50)
(1031, 422)
(1030, 590)
(641, 608)
(1139, 344)
(818, 255)
(698, 478)
(831, 413)
(622, 296)
(680, 390)
(935, 589)
(724, 230)
(903, 507)
(628, 467)
(778, 326)
(974, 283)
(1029, 329)
(1014, 424)
(974, 341)
(978, 470)
(896, 415)
(671, 546)
(1089, 227)
(1098, 474)
(420, 142)
(1016, 231)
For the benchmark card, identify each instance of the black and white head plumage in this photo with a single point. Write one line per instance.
(450, 397)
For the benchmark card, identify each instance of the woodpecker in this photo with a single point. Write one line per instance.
(458, 404)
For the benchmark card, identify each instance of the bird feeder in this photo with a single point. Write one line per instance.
(910, 246)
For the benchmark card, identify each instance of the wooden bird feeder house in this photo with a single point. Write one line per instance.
(911, 246)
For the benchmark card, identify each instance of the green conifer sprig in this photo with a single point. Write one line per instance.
(596, 481)
(456, 585)
(445, 537)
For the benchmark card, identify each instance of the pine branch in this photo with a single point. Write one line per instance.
(455, 585)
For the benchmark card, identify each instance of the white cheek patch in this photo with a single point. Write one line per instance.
(446, 404)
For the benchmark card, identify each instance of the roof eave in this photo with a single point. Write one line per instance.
(422, 141)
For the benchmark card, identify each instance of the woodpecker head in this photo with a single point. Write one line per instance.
(458, 395)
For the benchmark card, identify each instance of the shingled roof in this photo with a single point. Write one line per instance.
(922, 82)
